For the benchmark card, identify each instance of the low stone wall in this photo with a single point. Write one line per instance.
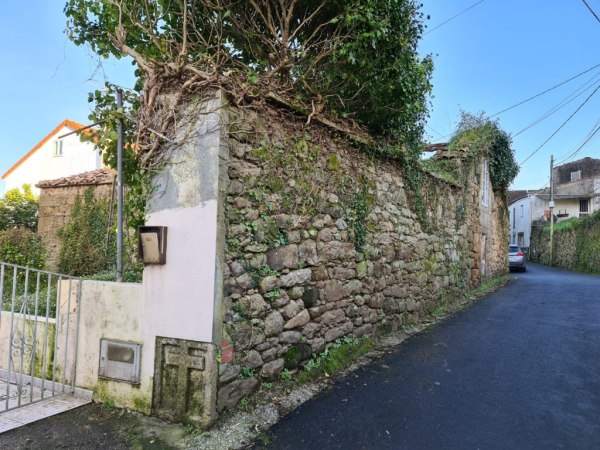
(576, 244)
(322, 243)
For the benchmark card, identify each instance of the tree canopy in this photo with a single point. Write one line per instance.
(19, 209)
(352, 58)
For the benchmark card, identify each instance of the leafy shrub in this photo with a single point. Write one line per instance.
(19, 209)
(84, 250)
(21, 246)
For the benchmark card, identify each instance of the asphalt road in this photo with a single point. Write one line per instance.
(517, 370)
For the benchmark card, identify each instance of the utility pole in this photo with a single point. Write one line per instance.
(120, 193)
(551, 206)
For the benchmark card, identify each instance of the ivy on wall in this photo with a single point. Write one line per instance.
(84, 249)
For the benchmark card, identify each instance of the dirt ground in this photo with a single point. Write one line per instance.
(94, 427)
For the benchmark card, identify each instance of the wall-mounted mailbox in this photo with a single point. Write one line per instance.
(152, 244)
(119, 361)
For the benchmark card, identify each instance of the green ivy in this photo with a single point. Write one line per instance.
(480, 135)
(84, 250)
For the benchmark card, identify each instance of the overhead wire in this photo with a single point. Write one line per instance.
(560, 127)
(595, 130)
(571, 97)
(538, 94)
(453, 17)
(544, 92)
(591, 10)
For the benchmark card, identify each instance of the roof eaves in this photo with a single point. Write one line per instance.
(66, 122)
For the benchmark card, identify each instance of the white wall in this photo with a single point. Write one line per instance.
(112, 311)
(520, 215)
(181, 295)
(77, 157)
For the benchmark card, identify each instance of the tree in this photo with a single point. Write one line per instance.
(352, 58)
(19, 209)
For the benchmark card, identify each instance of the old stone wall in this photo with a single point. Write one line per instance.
(322, 242)
(576, 244)
(54, 213)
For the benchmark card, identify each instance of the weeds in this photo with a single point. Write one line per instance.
(335, 358)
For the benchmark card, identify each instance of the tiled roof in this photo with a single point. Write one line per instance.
(65, 123)
(513, 196)
(436, 147)
(93, 178)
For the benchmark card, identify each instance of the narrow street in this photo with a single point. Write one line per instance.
(518, 370)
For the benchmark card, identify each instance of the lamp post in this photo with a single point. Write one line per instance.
(120, 192)
(551, 206)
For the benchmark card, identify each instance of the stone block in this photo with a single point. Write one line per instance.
(185, 381)
(296, 277)
(232, 393)
(337, 332)
(273, 324)
(283, 257)
(271, 369)
(297, 321)
(253, 305)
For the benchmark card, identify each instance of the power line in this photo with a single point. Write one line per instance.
(589, 137)
(544, 92)
(571, 97)
(559, 128)
(591, 10)
(453, 17)
(537, 95)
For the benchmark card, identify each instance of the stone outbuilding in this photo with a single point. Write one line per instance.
(56, 201)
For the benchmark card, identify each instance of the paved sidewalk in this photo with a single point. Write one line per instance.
(40, 410)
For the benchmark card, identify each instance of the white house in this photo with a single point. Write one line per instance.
(576, 194)
(524, 207)
(54, 158)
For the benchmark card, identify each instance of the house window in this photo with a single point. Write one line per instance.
(584, 207)
(514, 214)
(521, 211)
(576, 176)
(58, 148)
(485, 184)
(521, 239)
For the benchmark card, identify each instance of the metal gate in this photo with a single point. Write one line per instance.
(39, 326)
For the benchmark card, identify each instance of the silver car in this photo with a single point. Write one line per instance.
(516, 258)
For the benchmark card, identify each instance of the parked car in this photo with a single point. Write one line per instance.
(516, 258)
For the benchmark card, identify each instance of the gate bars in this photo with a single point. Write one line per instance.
(39, 328)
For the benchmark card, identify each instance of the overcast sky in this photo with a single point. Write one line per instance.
(488, 58)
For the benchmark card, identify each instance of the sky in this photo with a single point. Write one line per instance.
(490, 57)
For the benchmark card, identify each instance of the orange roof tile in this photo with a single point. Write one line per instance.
(93, 178)
(66, 122)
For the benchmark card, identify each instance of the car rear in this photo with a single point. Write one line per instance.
(516, 258)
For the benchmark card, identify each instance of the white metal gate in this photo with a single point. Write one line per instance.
(39, 326)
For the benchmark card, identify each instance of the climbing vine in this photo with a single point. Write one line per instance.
(481, 135)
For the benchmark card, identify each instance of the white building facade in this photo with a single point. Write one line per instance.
(54, 158)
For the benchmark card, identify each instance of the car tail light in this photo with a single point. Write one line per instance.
(520, 254)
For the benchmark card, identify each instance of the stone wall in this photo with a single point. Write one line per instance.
(54, 213)
(322, 243)
(576, 244)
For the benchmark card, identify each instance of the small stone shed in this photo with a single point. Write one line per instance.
(56, 201)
